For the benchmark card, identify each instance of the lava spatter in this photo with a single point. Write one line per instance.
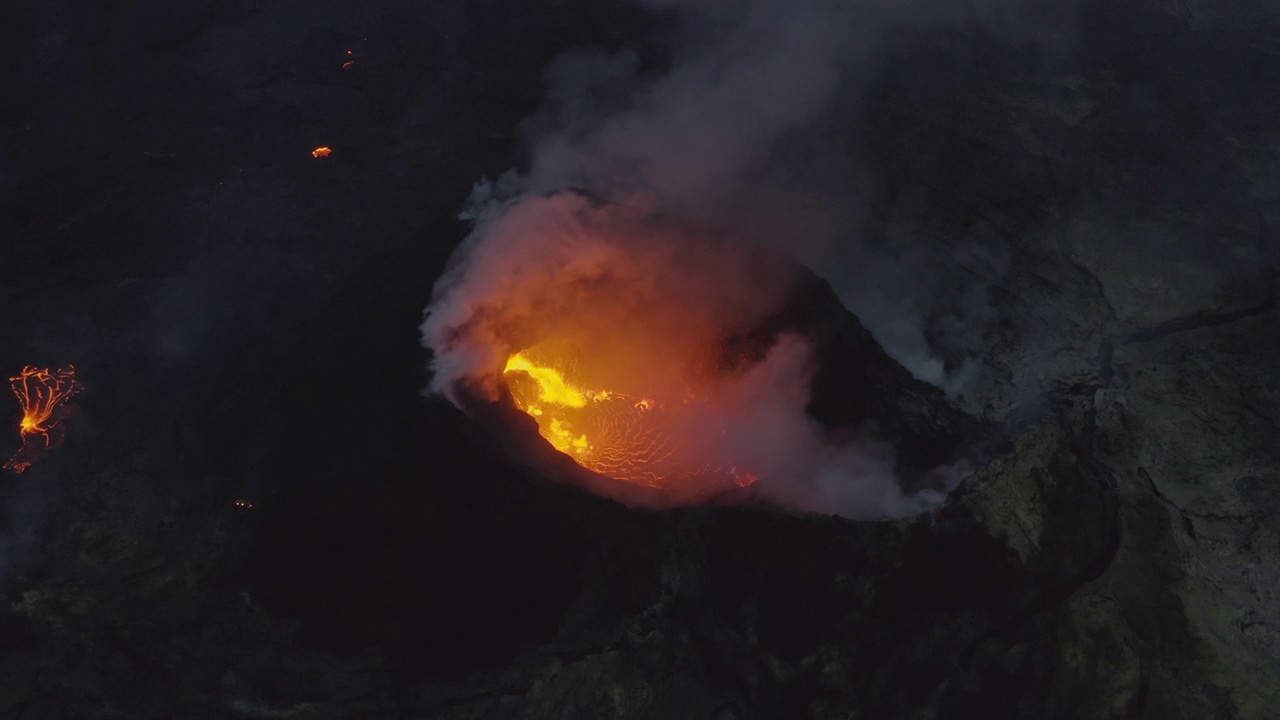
(44, 396)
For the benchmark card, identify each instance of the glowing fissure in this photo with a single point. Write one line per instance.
(43, 395)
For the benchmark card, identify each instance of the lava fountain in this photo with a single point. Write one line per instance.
(646, 350)
(44, 395)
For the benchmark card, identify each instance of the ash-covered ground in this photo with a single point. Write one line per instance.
(1060, 221)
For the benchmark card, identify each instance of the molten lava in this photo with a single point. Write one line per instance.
(629, 339)
(673, 363)
(618, 434)
(322, 152)
(43, 396)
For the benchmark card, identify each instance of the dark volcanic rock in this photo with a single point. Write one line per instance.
(858, 384)
(244, 318)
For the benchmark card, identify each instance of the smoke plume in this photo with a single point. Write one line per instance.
(752, 126)
(645, 306)
(744, 130)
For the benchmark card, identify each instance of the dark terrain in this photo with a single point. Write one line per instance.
(245, 320)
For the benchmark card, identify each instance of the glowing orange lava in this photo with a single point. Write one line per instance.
(43, 395)
(321, 152)
(617, 434)
(641, 345)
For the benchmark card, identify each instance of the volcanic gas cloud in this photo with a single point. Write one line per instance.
(633, 342)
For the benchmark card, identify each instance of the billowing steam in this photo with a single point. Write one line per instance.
(646, 322)
(741, 132)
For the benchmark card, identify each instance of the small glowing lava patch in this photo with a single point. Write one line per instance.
(44, 396)
(322, 152)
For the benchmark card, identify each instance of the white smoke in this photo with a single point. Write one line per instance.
(749, 127)
(745, 130)
(642, 296)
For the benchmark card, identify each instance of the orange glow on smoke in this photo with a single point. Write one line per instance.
(639, 346)
(321, 152)
(43, 395)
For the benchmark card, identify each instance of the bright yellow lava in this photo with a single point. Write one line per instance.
(616, 434)
(554, 390)
(43, 395)
(552, 386)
